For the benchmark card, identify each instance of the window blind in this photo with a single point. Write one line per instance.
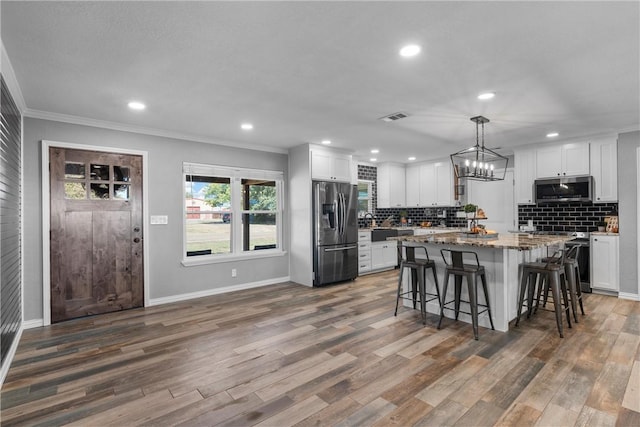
(10, 244)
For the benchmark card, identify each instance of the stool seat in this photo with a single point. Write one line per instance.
(418, 267)
(456, 266)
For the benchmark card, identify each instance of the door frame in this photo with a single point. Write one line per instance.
(46, 214)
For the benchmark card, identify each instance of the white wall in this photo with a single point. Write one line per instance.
(167, 277)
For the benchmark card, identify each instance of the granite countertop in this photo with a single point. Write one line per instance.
(521, 242)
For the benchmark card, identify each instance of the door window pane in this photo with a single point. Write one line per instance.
(75, 190)
(74, 170)
(121, 173)
(121, 191)
(99, 191)
(99, 172)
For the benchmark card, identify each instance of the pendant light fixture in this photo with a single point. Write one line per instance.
(479, 163)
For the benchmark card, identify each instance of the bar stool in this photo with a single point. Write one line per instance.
(542, 274)
(572, 273)
(418, 267)
(454, 261)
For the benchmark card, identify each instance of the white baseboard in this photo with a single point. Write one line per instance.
(216, 291)
(33, 323)
(12, 352)
(626, 295)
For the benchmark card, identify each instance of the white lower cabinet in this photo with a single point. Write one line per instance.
(383, 255)
(605, 262)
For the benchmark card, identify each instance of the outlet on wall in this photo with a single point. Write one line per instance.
(234, 272)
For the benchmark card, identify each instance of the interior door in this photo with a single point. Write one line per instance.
(96, 232)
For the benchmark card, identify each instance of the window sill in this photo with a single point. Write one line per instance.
(217, 259)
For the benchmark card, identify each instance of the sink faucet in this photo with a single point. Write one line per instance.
(372, 217)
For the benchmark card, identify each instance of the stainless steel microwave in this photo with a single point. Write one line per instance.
(565, 189)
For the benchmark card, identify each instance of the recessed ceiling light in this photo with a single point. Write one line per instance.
(410, 50)
(246, 126)
(552, 134)
(375, 151)
(412, 158)
(326, 142)
(135, 105)
(373, 159)
(486, 95)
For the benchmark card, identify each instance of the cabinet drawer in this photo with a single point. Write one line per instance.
(364, 236)
(364, 255)
(364, 266)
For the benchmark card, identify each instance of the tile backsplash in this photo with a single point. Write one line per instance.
(572, 216)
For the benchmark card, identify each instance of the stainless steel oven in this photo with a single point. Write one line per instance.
(582, 240)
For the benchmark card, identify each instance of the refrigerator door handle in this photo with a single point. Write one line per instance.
(340, 249)
(343, 213)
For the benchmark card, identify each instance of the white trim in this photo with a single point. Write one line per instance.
(626, 295)
(217, 259)
(46, 264)
(217, 291)
(638, 217)
(33, 323)
(84, 121)
(11, 80)
(12, 352)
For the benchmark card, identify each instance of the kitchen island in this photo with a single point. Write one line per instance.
(500, 257)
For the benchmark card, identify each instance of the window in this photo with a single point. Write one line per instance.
(365, 197)
(232, 212)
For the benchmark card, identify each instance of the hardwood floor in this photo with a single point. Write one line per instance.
(290, 355)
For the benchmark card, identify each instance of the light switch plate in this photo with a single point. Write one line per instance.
(159, 219)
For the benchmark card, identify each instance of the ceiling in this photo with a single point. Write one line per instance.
(302, 72)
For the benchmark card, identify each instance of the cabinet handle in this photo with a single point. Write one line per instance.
(595, 240)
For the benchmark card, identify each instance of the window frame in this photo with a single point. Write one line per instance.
(236, 175)
(369, 199)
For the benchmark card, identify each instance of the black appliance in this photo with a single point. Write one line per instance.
(564, 189)
(335, 232)
(581, 239)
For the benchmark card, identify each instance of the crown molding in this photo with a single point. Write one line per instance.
(10, 79)
(85, 121)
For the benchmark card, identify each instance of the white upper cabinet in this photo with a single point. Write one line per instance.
(604, 169)
(562, 160)
(429, 184)
(330, 166)
(525, 175)
(444, 184)
(412, 179)
(391, 185)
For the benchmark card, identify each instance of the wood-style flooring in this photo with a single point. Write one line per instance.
(290, 355)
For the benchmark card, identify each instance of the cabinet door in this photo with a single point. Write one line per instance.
(391, 185)
(604, 262)
(342, 168)
(412, 180)
(383, 255)
(604, 168)
(525, 175)
(575, 159)
(444, 184)
(321, 165)
(548, 161)
(428, 184)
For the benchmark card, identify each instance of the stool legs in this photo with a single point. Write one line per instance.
(486, 298)
(444, 295)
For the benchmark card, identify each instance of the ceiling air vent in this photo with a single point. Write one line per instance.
(393, 117)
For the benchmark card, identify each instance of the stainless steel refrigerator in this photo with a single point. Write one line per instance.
(335, 232)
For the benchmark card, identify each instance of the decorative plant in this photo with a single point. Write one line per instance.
(470, 208)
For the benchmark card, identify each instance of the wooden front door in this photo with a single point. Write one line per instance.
(96, 232)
